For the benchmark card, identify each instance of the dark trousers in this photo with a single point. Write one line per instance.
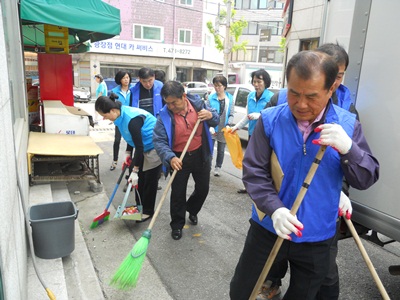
(147, 189)
(117, 141)
(329, 289)
(330, 286)
(192, 164)
(308, 266)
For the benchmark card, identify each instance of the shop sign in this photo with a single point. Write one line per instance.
(146, 49)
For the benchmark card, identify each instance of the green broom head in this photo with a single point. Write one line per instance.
(127, 274)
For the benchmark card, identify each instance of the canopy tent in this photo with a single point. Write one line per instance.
(86, 20)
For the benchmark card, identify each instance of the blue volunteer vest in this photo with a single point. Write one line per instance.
(122, 122)
(157, 99)
(214, 103)
(319, 209)
(257, 106)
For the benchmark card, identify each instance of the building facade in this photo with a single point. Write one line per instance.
(169, 35)
(263, 33)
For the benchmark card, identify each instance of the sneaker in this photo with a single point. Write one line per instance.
(216, 171)
(267, 291)
(113, 165)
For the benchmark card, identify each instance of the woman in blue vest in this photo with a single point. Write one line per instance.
(123, 80)
(256, 101)
(136, 126)
(222, 102)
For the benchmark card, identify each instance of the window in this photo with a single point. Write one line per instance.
(144, 32)
(249, 55)
(258, 4)
(252, 28)
(186, 2)
(270, 54)
(276, 27)
(241, 98)
(209, 40)
(309, 44)
(185, 36)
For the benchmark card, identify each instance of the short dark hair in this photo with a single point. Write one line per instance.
(99, 76)
(172, 88)
(120, 75)
(307, 63)
(262, 74)
(221, 79)
(145, 73)
(104, 104)
(160, 75)
(337, 52)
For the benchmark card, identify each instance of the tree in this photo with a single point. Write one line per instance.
(235, 30)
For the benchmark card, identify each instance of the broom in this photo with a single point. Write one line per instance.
(100, 219)
(364, 254)
(128, 272)
(293, 211)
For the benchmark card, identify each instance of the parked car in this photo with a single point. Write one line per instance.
(197, 87)
(81, 94)
(240, 93)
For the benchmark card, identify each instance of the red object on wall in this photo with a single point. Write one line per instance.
(55, 75)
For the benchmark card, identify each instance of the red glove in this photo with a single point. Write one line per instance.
(128, 160)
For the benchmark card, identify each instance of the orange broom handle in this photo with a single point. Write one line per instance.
(293, 211)
(364, 254)
(164, 195)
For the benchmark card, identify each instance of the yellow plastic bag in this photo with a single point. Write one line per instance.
(234, 147)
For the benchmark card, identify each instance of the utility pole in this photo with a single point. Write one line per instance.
(227, 43)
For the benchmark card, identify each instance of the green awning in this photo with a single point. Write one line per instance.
(86, 20)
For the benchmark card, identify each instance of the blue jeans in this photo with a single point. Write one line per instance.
(220, 153)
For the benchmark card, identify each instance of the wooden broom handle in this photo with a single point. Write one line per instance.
(164, 195)
(364, 254)
(293, 211)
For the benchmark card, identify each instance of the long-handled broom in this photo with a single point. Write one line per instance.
(364, 254)
(128, 272)
(100, 219)
(293, 211)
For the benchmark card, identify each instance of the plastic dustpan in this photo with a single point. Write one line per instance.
(129, 211)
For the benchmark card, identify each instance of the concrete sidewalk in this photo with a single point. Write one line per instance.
(85, 273)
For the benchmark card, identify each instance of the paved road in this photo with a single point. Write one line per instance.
(201, 264)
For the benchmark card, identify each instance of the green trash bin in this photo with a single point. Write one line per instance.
(53, 228)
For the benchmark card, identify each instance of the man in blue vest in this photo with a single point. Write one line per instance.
(341, 96)
(175, 124)
(145, 95)
(294, 132)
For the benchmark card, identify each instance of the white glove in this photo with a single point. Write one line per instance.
(212, 130)
(254, 116)
(345, 208)
(334, 135)
(285, 223)
(234, 128)
(133, 178)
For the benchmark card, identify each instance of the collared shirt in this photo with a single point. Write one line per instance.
(184, 124)
(305, 127)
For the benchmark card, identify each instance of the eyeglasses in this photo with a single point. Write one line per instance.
(218, 85)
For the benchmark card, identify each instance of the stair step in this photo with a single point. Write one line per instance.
(50, 270)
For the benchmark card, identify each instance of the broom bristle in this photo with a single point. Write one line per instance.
(127, 274)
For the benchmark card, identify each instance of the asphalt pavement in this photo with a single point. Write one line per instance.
(201, 264)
